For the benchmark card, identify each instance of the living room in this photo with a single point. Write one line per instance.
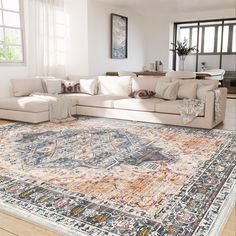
(117, 117)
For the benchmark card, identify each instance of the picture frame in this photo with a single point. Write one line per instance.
(119, 36)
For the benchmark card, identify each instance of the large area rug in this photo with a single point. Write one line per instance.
(96, 176)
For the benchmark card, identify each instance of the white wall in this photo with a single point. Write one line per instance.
(18, 71)
(159, 31)
(99, 38)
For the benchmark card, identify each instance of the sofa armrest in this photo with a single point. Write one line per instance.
(210, 107)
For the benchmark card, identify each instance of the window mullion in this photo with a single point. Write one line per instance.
(230, 39)
(216, 39)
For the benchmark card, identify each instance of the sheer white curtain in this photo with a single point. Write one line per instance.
(48, 33)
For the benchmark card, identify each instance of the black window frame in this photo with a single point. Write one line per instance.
(198, 26)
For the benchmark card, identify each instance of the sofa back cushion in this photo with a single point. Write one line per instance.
(140, 83)
(203, 89)
(114, 85)
(167, 90)
(187, 89)
(24, 87)
(53, 86)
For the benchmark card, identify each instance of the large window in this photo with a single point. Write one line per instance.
(11, 32)
(210, 36)
(214, 39)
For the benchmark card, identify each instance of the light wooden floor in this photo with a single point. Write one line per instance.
(10, 226)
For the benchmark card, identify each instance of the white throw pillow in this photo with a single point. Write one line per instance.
(89, 86)
(114, 85)
(167, 90)
(187, 90)
(53, 86)
(24, 87)
(203, 89)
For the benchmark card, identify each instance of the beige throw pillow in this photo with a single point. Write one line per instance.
(187, 90)
(24, 87)
(167, 90)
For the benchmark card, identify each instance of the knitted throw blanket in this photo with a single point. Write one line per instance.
(191, 108)
(59, 106)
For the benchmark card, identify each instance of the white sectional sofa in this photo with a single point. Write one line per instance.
(112, 100)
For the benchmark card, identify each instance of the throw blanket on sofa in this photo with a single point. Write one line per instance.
(218, 105)
(191, 108)
(59, 107)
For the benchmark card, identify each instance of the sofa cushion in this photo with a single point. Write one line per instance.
(203, 89)
(137, 104)
(114, 85)
(171, 107)
(24, 87)
(75, 97)
(54, 86)
(187, 89)
(27, 104)
(140, 83)
(167, 90)
(106, 101)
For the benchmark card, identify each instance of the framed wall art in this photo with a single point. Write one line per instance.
(119, 36)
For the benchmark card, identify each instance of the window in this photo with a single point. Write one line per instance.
(11, 32)
(215, 41)
(210, 36)
(234, 39)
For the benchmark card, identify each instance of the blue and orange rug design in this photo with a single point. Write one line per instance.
(97, 176)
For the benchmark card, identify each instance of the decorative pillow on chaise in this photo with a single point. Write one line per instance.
(143, 94)
(70, 87)
(167, 90)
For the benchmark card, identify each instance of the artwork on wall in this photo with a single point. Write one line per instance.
(119, 36)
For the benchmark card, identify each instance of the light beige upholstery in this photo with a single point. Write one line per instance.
(24, 87)
(35, 109)
(171, 107)
(99, 101)
(30, 104)
(75, 97)
(114, 85)
(137, 104)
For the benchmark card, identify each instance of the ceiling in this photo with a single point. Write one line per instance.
(152, 7)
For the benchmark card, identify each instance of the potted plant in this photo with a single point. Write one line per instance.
(183, 50)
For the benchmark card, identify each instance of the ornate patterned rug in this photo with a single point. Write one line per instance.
(97, 176)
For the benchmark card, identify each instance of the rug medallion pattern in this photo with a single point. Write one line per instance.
(108, 177)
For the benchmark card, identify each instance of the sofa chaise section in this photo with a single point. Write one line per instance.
(27, 109)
